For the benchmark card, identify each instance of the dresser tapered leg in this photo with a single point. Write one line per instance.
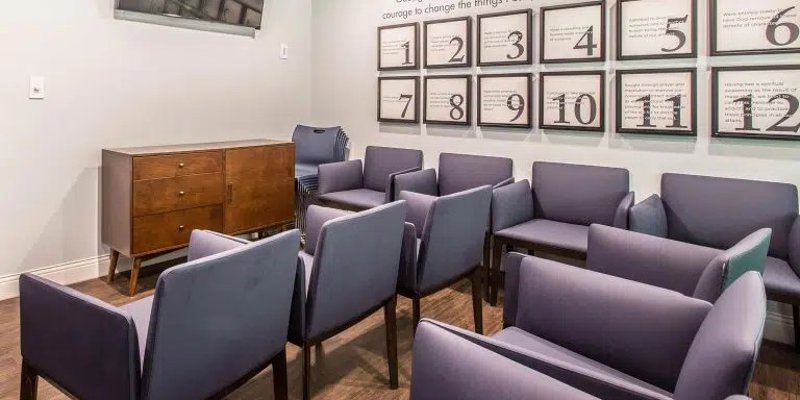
(137, 264)
(112, 266)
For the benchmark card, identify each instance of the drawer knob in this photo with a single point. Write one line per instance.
(181, 165)
(181, 193)
(181, 228)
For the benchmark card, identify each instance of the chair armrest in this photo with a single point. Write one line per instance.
(204, 243)
(407, 277)
(511, 205)
(504, 182)
(749, 254)
(340, 176)
(86, 346)
(794, 246)
(316, 217)
(511, 265)
(390, 185)
(624, 208)
(418, 207)
(649, 217)
(448, 366)
(423, 181)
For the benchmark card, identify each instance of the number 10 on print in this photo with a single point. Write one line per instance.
(572, 101)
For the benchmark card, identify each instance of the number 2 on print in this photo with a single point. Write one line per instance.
(407, 47)
(456, 113)
(675, 32)
(517, 37)
(647, 111)
(516, 102)
(772, 29)
(747, 113)
(562, 111)
(460, 42)
(590, 44)
(407, 98)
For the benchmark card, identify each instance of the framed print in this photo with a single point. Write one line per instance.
(448, 43)
(573, 33)
(657, 101)
(754, 27)
(756, 102)
(656, 29)
(398, 99)
(505, 100)
(505, 38)
(448, 100)
(398, 47)
(573, 101)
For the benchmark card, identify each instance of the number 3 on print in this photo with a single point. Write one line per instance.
(398, 47)
(656, 29)
(756, 102)
(573, 101)
(504, 100)
(398, 99)
(573, 33)
(505, 38)
(754, 27)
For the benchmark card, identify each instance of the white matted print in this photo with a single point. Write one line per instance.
(505, 38)
(572, 101)
(505, 100)
(656, 29)
(398, 99)
(573, 33)
(448, 43)
(757, 102)
(754, 26)
(448, 100)
(656, 101)
(398, 47)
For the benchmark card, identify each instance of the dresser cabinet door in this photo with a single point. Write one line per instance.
(260, 187)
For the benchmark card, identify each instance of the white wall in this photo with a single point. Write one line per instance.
(116, 83)
(345, 85)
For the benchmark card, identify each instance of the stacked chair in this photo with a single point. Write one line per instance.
(554, 211)
(313, 147)
(718, 212)
(213, 323)
(354, 185)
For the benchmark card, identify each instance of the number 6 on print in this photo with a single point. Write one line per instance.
(398, 99)
(773, 28)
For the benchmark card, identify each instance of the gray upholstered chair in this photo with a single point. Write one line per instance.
(313, 147)
(346, 185)
(213, 323)
(442, 244)
(449, 366)
(554, 212)
(351, 264)
(718, 212)
(619, 339)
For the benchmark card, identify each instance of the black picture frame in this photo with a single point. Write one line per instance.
(656, 56)
(467, 105)
(467, 45)
(528, 100)
(416, 53)
(715, 102)
(692, 131)
(712, 15)
(416, 99)
(543, 26)
(528, 60)
(601, 112)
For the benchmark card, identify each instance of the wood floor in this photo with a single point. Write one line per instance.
(352, 365)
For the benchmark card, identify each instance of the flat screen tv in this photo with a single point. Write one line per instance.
(235, 13)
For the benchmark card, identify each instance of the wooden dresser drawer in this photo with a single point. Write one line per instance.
(172, 165)
(155, 196)
(169, 230)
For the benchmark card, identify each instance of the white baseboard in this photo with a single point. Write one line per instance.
(66, 274)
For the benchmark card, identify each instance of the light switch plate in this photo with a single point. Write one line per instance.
(284, 51)
(37, 88)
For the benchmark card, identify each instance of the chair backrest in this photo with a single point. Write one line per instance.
(719, 212)
(453, 237)
(641, 330)
(355, 267)
(217, 318)
(722, 357)
(578, 194)
(316, 146)
(459, 172)
(381, 162)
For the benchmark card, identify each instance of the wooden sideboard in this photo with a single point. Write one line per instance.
(153, 197)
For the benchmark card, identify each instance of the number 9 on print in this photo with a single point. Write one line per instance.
(504, 100)
(398, 99)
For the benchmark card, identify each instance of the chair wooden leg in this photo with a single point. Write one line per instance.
(796, 319)
(137, 265)
(29, 383)
(497, 255)
(280, 378)
(415, 313)
(390, 317)
(306, 371)
(487, 267)
(112, 266)
(477, 301)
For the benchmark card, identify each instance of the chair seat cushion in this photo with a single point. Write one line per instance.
(520, 338)
(302, 170)
(359, 198)
(308, 260)
(780, 279)
(140, 312)
(550, 233)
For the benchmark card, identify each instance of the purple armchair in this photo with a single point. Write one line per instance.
(555, 211)
(718, 212)
(213, 323)
(346, 185)
(619, 339)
